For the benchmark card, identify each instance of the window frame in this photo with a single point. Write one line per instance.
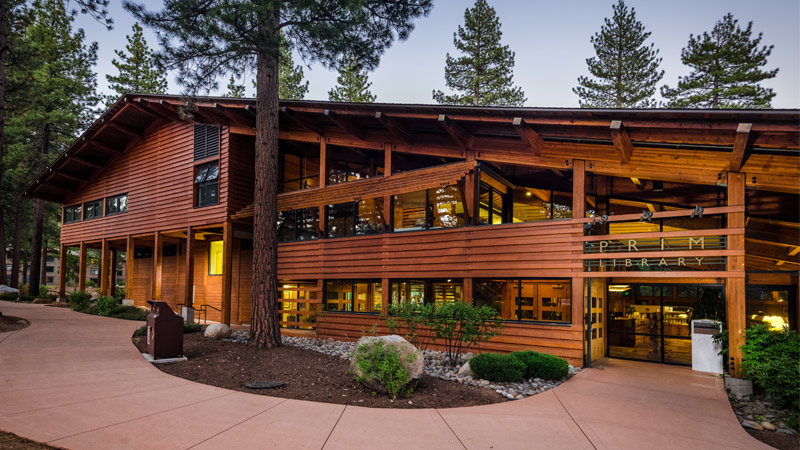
(205, 183)
(100, 202)
(206, 155)
(117, 197)
(64, 220)
(518, 306)
(353, 291)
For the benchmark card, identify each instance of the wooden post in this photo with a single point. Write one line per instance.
(387, 199)
(386, 295)
(189, 288)
(62, 273)
(579, 315)
(104, 257)
(467, 291)
(82, 267)
(130, 250)
(227, 271)
(578, 189)
(112, 282)
(735, 286)
(158, 246)
(323, 162)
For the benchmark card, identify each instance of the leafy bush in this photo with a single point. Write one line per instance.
(119, 292)
(79, 300)
(413, 317)
(27, 298)
(771, 358)
(542, 365)
(129, 313)
(9, 296)
(105, 305)
(191, 327)
(141, 331)
(384, 365)
(497, 367)
(91, 283)
(43, 290)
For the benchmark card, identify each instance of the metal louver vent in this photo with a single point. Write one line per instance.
(206, 141)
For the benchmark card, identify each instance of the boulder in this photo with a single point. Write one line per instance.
(414, 367)
(752, 425)
(465, 370)
(768, 426)
(8, 290)
(218, 331)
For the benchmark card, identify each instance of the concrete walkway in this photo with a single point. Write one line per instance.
(76, 381)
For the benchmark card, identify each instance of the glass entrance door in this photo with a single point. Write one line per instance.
(652, 322)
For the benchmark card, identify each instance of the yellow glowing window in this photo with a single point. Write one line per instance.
(215, 258)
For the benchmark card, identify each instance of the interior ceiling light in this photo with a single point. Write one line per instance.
(618, 287)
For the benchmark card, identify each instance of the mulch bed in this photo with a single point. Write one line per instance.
(308, 375)
(10, 441)
(11, 323)
(781, 441)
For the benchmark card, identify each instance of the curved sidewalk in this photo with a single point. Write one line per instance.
(75, 381)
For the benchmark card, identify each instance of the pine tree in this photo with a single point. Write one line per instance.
(52, 102)
(206, 39)
(290, 76)
(137, 69)
(625, 70)
(483, 75)
(352, 84)
(234, 90)
(727, 69)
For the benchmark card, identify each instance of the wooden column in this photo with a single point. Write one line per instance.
(189, 285)
(112, 281)
(129, 251)
(104, 257)
(386, 295)
(323, 162)
(62, 272)
(227, 271)
(579, 314)
(735, 286)
(387, 199)
(467, 290)
(158, 246)
(82, 267)
(471, 185)
(578, 189)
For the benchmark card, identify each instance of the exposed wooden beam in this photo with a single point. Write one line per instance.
(461, 136)
(794, 251)
(739, 153)
(86, 162)
(132, 132)
(346, 124)
(558, 172)
(622, 141)
(238, 115)
(528, 135)
(140, 105)
(251, 109)
(101, 146)
(303, 120)
(69, 177)
(396, 128)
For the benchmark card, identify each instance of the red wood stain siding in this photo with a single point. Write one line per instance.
(158, 175)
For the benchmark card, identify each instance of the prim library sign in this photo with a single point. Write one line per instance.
(664, 262)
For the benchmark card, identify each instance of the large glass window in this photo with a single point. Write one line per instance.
(533, 300)
(433, 208)
(298, 225)
(207, 182)
(72, 214)
(296, 303)
(355, 218)
(427, 291)
(770, 305)
(344, 171)
(215, 258)
(116, 204)
(353, 296)
(493, 201)
(93, 209)
(299, 172)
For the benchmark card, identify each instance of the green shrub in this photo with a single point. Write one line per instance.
(119, 292)
(191, 327)
(383, 365)
(542, 365)
(9, 296)
(79, 300)
(105, 305)
(458, 326)
(27, 298)
(414, 317)
(129, 313)
(91, 283)
(43, 290)
(497, 367)
(141, 331)
(771, 358)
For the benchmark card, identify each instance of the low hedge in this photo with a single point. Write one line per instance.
(9, 296)
(105, 305)
(79, 300)
(542, 365)
(497, 367)
(129, 313)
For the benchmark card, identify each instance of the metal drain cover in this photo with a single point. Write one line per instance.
(263, 384)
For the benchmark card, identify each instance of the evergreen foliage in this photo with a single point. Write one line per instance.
(208, 39)
(137, 69)
(483, 75)
(234, 90)
(727, 68)
(290, 76)
(624, 70)
(352, 84)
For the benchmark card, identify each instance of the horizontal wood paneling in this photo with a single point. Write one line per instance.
(157, 174)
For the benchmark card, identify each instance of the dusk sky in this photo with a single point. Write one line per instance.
(550, 39)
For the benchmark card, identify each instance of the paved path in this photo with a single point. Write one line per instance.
(76, 381)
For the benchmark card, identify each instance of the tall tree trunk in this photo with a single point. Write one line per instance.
(43, 274)
(36, 247)
(15, 260)
(3, 58)
(264, 325)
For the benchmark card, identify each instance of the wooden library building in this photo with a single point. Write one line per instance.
(593, 232)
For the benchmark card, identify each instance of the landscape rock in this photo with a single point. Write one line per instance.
(752, 425)
(768, 426)
(8, 290)
(414, 367)
(465, 370)
(218, 331)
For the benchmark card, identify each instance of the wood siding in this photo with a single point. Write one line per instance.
(157, 173)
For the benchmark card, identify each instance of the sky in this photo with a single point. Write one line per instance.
(550, 39)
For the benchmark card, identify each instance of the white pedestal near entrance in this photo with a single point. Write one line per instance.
(705, 352)
(188, 314)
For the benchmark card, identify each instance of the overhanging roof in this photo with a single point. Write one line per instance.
(515, 131)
